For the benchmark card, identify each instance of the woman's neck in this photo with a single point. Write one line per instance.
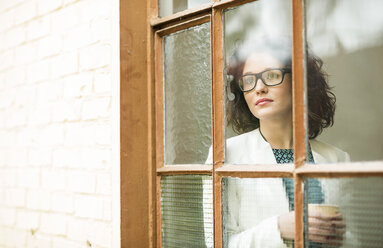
(279, 134)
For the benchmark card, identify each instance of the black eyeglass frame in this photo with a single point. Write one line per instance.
(259, 76)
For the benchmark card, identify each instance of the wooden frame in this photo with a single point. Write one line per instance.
(137, 134)
(360, 169)
(162, 169)
(218, 122)
(141, 128)
(159, 80)
(299, 132)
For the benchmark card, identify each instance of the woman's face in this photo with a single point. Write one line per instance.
(268, 102)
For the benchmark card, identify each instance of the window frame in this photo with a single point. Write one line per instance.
(152, 141)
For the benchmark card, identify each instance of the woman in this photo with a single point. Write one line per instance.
(260, 212)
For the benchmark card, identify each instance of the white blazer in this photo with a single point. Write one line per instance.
(253, 205)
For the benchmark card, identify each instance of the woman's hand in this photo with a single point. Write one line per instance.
(286, 225)
(322, 229)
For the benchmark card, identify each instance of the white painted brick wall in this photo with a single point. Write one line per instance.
(38, 71)
(13, 237)
(15, 36)
(24, 12)
(89, 207)
(15, 197)
(49, 46)
(65, 243)
(25, 54)
(38, 28)
(53, 180)
(82, 182)
(27, 219)
(98, 233)
(9, 178)
(38, 240)
(38, 199)
(56, 123)
(7, 216)
(28, 177)
(63, 202)
(95, 56)
(53, 223)
(40, 157)
(96, 108)
(65, 64)
(46, 6)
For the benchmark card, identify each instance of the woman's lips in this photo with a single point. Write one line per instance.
(263, 101)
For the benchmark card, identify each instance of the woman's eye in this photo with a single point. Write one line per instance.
(272, 75)
(248, 80)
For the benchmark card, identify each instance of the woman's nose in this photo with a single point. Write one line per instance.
(260, 87)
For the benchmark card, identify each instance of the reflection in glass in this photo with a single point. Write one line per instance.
(187, 211)
(252, 209)
(187, 95)
(348, 36)
(351, 214)
(168, 7)
(257, 48)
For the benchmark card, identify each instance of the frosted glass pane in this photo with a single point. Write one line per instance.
(351, 213)
(257, 38)
(187, 211)
(251, 209)
(187, 85)
(348, 36)
(168, 7)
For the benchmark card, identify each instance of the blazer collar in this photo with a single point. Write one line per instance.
(316, 151)
(264, 153)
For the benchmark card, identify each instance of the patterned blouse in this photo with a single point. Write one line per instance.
(315, 193)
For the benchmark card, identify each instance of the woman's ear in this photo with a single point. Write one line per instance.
(229, 94)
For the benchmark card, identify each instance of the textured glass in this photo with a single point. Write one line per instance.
(350, 215)
(251, 208)
(348, 36)
(187, 86)
(257, 32)
(168, 7)
(187, 211)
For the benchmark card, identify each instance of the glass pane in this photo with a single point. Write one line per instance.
(347, 213)
(257, 46)
(348, 37)
(258, 212)
(168, 7)
(187, 211)
(187, 86)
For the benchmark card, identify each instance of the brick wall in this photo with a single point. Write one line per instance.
(57, 123)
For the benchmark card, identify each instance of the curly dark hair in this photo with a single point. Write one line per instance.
(321, 101)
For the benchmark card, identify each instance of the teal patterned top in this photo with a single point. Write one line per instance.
(285, 156)
(314, 192)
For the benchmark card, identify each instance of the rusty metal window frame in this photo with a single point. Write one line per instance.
(159, 27)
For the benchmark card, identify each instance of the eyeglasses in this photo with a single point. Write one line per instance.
(270, 77)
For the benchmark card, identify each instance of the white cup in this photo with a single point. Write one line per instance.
(324, 209)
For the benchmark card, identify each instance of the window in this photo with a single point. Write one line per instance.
(192, 195)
